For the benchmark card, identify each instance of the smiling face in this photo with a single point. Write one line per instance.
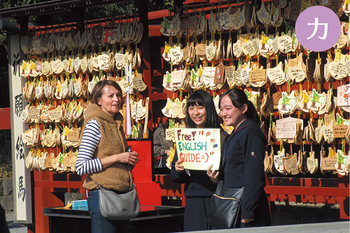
(110, 100)
(197, 114)
(231, 115)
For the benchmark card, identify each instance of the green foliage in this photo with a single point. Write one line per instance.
(5, 170)
(5, 153)
(169, 4)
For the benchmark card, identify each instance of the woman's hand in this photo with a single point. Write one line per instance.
(179, 167)
(131, 158)
(213, 174)
(245, 220)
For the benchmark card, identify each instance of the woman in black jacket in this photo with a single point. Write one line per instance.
(242, 161)
(199, 188)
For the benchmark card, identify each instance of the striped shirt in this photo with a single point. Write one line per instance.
(86, 164)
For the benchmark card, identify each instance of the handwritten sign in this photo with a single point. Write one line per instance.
(257, 75)
(186, 53)
(276, 75)
(200, 49)
(169, 134)
(198, 148)
(138, 83)
(210, 51)
(328, 163)
(177, 76)
(73, 136)
(291, 164)
(229, 72)
(340, 131)
(34, 113)
(176, 54)
(343, 98)
(209, 75)
(286, 128)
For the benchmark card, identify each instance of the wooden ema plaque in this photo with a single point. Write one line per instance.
(257, 75)
(339, 131)
(328, 163)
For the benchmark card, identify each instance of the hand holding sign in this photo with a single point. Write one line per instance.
(213, 174)
(179, 167)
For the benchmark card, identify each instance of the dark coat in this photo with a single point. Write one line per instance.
(160, 144)
(243, 165)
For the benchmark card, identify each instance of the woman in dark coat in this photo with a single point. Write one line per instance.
(243, 157)
(161, 146)
(200, 113)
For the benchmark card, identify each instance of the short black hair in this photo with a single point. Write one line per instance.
(203, 98)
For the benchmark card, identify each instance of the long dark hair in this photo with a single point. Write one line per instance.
(238, 99)
(203, 98)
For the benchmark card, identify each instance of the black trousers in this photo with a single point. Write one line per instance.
(3, 224)
(196, 212)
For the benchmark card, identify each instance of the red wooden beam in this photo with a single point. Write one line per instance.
(57, 184)
(303, 190)
(5, 116)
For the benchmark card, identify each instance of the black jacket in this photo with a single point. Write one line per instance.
(243, 165)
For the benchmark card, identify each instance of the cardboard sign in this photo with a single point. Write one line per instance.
(257, 75)
(286, 128)
(198, 148)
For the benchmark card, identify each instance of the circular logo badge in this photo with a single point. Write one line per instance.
(318, 28)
